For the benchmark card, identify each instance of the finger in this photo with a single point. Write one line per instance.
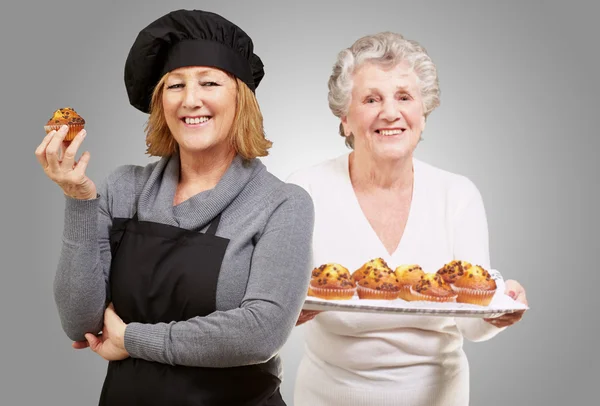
(69, 155)
(508, 319)
(40, 151)
(309, 316)
(93, 341)
(110, 310)
(496, 322)
(81, 165)
(521, 297)
(79, 345)
(54, 147)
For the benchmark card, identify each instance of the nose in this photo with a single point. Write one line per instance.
(390, 110)
(191, 98)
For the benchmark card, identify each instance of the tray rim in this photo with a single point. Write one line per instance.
(312, 303)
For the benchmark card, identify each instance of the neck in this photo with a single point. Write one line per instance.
(203, 171)
(368, 174)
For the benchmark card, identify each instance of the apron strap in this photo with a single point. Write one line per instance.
(212, 228)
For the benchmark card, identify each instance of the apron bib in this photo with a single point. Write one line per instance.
(159, 274)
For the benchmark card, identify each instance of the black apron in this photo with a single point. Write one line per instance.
(161, 273)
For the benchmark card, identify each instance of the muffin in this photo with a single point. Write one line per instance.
(66, 116)
(475, 286)
(331, 281)
(453, 269)
(408, 275)
(432, 288)
(363, 271)
(380, 283)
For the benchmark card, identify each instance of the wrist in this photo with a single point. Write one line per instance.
(121, 337)
(83, 197)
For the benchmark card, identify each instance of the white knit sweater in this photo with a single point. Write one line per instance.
(375, 359)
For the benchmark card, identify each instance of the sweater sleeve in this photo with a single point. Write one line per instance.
(256, 331)
(80, 283)
(471, 243)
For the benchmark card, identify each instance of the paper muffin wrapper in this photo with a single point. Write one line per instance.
(332, 293)
(368, 293)
(405, 293)
(416, 296)
(73, 130)
(474, 296)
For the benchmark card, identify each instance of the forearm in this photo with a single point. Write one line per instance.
(250, 334)
(79, 283)
(242, 336)
(477, 330)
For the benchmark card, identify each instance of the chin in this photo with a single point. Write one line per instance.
(194, 149)
(395, 154)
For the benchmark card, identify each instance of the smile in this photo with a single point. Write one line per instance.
(390, 132)
(195, 120)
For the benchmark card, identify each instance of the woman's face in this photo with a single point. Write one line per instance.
(386, 111)
(199, 105)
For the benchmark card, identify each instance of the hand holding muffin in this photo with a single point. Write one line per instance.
(60, 165)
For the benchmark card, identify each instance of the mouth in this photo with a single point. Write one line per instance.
(195, 120)
(390, 132)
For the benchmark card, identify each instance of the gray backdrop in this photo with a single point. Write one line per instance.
(518, 116)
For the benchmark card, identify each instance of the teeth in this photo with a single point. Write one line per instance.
(390, 132)
(196, 120)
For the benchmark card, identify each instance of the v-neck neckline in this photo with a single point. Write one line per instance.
(367, 225)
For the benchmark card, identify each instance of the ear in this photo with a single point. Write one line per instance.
(345, 126)
(423, 122)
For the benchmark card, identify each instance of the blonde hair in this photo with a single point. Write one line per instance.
(247, 135)
(386, 49)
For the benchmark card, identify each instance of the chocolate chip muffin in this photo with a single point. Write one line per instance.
(331, 281)
(380, 283)
(408, 275)
(432, 288)
(453, 269)
(475, 286)
(66, 116)
(363, 271)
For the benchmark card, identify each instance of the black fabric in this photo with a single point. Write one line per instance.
(188, 38)
(161, 273)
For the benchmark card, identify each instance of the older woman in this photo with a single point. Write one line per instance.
(204, 256)
(379, 201)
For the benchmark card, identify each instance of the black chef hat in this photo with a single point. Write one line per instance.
(188, 38)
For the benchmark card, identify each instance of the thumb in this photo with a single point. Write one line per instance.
(83, 162)
(94, 341)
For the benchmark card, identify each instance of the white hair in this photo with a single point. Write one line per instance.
(388, 49)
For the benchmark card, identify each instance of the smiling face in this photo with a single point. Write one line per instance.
(386, 112)
(199, 106)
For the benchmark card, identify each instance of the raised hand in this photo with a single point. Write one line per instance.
(57, 158)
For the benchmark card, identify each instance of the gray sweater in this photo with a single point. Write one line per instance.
(263, 280)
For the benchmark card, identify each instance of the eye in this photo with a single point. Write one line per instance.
(370, 100)
(404, 97)
(209, 84)
(175, 86)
